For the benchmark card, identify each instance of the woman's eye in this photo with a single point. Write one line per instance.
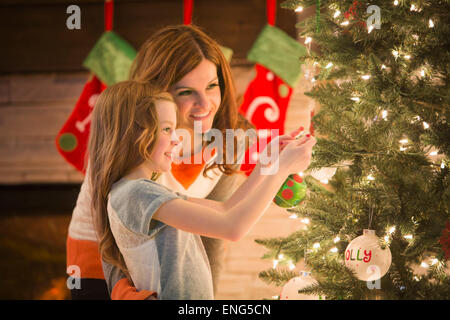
(184, 93)
(212, 85)
(168, 130)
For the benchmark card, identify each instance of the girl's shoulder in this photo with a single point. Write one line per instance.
(134, 202)
(138, 187)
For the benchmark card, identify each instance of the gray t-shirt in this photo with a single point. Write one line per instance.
(160, 258)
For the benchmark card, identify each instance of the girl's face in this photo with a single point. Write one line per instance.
(162, 155)
(197, 96)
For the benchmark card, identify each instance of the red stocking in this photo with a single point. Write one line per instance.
(72, 139)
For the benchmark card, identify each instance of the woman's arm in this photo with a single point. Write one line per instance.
(233, 219)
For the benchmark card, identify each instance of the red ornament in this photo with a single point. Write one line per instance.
(445, 240)
(352, 13)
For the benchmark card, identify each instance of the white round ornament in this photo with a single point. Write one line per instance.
(323, 173)
(366, 258)
(290, 289)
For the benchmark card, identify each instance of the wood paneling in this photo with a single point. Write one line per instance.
(36, 38)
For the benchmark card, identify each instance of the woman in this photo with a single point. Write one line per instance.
(184, 61)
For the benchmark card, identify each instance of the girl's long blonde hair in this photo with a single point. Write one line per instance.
(123, 133)
(174, 51)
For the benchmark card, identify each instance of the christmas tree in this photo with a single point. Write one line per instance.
(381, 79)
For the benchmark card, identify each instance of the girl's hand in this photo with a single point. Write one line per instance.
(270, 156)
(296, 155)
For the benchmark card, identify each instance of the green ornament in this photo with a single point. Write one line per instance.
(291, 193)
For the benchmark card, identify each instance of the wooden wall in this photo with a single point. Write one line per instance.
(41, 75)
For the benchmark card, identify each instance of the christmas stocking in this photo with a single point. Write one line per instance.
(277, 58)
(109, 61)
(72, 139)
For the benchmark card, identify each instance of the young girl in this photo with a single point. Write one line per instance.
(148, 231)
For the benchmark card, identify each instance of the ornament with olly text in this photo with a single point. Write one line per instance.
(291, 193)
(290, 289)
(367, 258)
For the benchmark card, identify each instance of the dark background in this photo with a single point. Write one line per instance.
(35, 37)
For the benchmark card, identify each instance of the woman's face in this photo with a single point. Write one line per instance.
(197, 96)
(163, 153)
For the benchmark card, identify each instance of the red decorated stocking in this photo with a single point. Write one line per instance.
(109, 61)
(266, 100)
(72, 139)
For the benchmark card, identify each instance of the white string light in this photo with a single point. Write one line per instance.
(396, 3)
(299, 9)
(391, 230)
(369, 30)
(430, 23)
(426, 125)
(293, 216)
(370, 177)
(305, 220)
(345, 23)
(407, 57)
(291, 265)
(395, 53)
(383, 66)
(356, 99)
(324, 181)
(336, 14)
(366, 76)
(334, 250)
(329, 65)
(316, 245)
(403, 141)
(275, 264)
(337, 239)
(424, 264)
(308, 40)
(408, 236)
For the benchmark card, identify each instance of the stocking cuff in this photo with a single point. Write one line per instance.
(278, 52)
(111, 58)
(227, 52)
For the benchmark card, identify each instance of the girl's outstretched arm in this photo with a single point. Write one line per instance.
(233, 219)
